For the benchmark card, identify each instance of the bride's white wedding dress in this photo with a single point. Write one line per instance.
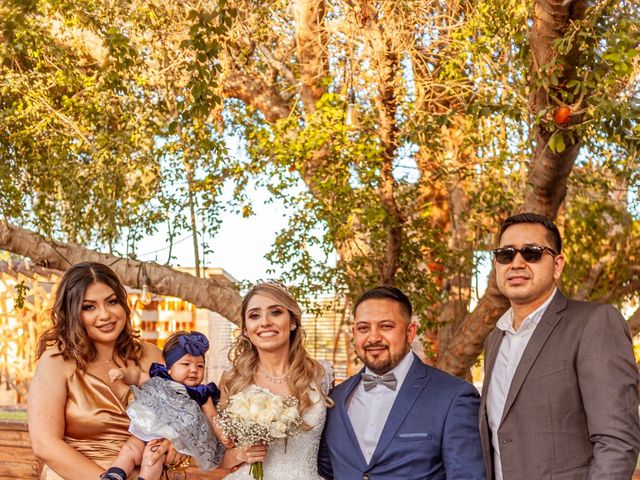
(297, 458)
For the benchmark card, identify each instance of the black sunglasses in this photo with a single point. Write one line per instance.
(530, 253)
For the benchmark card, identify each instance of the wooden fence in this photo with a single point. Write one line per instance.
(17, 461)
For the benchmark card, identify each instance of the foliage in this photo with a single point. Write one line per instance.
(467, 116)
(105, 109)
(398, 133)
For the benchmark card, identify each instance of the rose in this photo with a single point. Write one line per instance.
(290, 415)
(240, 406)
(267, 415)
(257, 405)
(278, 430)
(240, 410)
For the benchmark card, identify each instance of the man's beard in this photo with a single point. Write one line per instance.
(382, 363)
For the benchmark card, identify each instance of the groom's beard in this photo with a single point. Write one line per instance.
(378, 358)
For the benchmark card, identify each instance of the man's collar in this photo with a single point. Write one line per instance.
(505, 322)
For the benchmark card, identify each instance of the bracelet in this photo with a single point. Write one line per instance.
(181, 466)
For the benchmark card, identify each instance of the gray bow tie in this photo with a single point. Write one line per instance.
(388, 380)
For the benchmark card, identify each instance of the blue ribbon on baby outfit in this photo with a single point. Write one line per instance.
(193, 343)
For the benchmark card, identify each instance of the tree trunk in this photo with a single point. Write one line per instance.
(465, 346)
(386, 65)
(548, 175)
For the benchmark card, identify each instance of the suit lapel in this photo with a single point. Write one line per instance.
(412, 387)
(341, 404)
(540, 335)
(493, 346)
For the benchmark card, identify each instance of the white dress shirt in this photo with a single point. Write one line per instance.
(509, 355)
(368, 410)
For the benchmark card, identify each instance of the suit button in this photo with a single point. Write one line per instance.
(366, 476)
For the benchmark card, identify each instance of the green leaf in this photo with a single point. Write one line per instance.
(556, 142)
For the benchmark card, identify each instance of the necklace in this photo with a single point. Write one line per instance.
(271, 378)
(105, 360)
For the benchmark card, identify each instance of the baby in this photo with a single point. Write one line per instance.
(164, 409)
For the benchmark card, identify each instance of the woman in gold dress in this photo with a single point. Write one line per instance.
(77, 417)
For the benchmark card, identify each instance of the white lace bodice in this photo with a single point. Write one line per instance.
(297, 458)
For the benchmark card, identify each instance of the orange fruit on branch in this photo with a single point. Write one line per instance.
(561, 114)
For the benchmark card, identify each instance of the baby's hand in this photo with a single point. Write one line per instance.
(115, 374)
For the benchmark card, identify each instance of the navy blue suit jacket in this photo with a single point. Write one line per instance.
(431, 433)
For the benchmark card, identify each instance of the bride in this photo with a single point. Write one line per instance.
(270, 354)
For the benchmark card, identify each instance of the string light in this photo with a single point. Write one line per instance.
(145, 295)
(351, 120)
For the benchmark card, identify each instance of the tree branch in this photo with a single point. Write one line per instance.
(257, 94)
(203, 293)
(623, 289)
(311, 39)
(386, 65)
(549, 171)
(594, 275)
(277, 65)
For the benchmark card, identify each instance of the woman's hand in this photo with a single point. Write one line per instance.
(239, 455)
(173, 457)
(253, 454)
(147, 468)
(226, 441)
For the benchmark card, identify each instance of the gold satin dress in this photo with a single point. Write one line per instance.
(96, 421)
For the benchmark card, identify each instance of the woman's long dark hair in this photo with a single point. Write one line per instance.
(68, 333)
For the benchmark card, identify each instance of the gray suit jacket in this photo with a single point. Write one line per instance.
(572, 409)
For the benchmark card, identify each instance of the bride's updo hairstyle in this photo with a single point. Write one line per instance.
(305, 374)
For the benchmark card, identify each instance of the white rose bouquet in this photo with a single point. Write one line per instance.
(259, 416)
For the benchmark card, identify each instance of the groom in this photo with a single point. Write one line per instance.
(398, 418)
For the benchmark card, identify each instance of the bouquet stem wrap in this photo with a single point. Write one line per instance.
(256, 471)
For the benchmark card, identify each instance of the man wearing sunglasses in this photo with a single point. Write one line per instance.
(560, 393)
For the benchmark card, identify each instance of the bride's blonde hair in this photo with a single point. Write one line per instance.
(305, 374)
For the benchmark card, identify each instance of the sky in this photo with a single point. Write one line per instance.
(241, 243)
(239, 246)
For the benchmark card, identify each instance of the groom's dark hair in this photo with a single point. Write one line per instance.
(386, 293)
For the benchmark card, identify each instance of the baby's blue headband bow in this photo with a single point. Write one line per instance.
(193, 343)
